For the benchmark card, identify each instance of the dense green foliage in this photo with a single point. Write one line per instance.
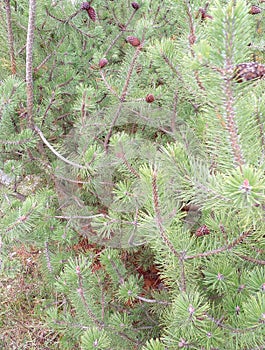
(139, 179)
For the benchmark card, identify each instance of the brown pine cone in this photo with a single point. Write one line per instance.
(202, 231)
(248, 71)
(92, 14)
(254, 10)
(149, 98)
(85, 5)
(103, 62)
(135, 5)
(133, 40)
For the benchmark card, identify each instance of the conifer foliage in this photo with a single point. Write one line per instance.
(132, 158)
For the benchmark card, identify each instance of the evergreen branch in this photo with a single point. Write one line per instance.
(230, 118)
(127, 164)
(182, 271)
(78, 216)
(29, 60)
(123, 29)
(21, 219)
(80, 291)
(46, 59)
(47, 255)
(192, 40)
(72, 325)
(67, 21)
(123, 94)
(10, 37)
(253, 260)
(174, 112)
(13, 142)
(237, 241)
(115, 268)
(230, 115)
(57, 154)
(220, 324)
(261, 136)
(52, 100)
(130, 70)
(159, 221)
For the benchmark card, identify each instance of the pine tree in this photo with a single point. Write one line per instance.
(132, 156)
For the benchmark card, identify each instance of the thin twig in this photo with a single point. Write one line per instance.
(58, 155)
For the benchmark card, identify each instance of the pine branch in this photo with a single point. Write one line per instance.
(122, 30)
(47, 255)
(230, 118)
(46, 59)
(159, 220)
(10, 37)
(253, 260)
(29, 61)
(123, 93)
(80, 290)
(233, 244)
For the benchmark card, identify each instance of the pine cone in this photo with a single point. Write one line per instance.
(91, 12)
(254, 10)
(133, 41)
(135, 5)
(149, 98)
(248, 71)
(103, 62)
(202, 231)
(85, 5)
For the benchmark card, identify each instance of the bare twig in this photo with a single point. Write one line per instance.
(58, 155)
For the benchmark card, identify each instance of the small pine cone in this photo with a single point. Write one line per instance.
(204, 15)
(103, 62)
(92, 14)
(133, 40)
(85, 5)
(254, 10)
(135, 5)
(149, 98)
(202, 231)
(249, 71)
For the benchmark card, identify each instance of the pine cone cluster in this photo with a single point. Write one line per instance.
(249, 71)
